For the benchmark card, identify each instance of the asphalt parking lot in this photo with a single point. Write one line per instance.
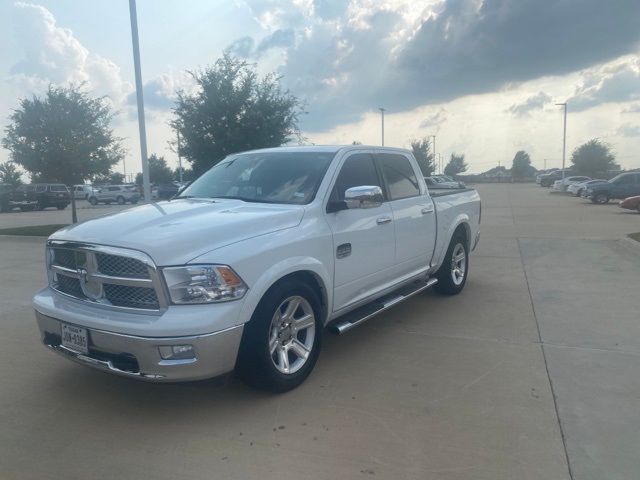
(531, 373)
(52, 216)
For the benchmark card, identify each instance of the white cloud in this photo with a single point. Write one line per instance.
(534, 102)
(629, 130)
(52, 54)
(615, 82)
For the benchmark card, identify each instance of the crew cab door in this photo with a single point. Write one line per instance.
(363, 238)
(414, 216)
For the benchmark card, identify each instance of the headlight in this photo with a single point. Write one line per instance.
(203, 284)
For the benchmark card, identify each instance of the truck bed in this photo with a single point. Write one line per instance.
(451, 206)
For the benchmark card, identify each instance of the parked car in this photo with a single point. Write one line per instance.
(561, 185)
(541, 173)
(16, 197)
(164, 191)
(83, 191)
(576, 189)
(119, 194)
(442, 181)
(548, 179)
(621, 186)
(250, 264)
(631, 203)
(47, 195)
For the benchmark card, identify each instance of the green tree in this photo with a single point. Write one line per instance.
(10, 174)
(594, 159)
(64, 136)
(113, 178)
(233, 110)
(187, 175)
(456, 165)
(521, 166)
(422, 152)
(159, 171)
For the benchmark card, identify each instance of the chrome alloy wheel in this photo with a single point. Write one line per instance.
(458, 264)
(291, 335)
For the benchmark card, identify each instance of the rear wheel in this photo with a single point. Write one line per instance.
(93, 201)
(281, 342)
(601, 198)
(452, 274)
(120, 200)
(61, 207)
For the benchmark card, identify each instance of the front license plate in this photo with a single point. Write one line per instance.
(75, 338)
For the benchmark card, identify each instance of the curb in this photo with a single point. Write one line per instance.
(630, 243)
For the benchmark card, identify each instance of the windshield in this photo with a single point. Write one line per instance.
(268, 177)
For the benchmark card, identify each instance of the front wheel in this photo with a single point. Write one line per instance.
(281, 342)
(120, 200)
(601, 198)
(452, 274)
(61, 207)
(93, 201)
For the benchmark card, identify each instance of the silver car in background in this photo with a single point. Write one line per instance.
(119, 194)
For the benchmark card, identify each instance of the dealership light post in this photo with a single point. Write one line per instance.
(564, 136)
(434, 151)
(179, 158)
(141, 125)
(382, 110)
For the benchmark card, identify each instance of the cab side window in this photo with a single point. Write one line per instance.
(357, 170)
(399, 176)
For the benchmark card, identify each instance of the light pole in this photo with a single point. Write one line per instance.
(179, 158)
(434, 151)
(382, 110)
(564, 136)
(141, 125)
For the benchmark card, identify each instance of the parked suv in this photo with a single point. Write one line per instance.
(119, 194)
(11, 198)
(622, 186)
(48, 195)
(548, 179)
(83, 191)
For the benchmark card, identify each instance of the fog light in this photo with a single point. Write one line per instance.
(177, 352)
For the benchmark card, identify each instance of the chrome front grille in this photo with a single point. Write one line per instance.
(109, 276)
(133, 297)
(121, 266)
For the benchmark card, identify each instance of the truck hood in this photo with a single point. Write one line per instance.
(176, 231)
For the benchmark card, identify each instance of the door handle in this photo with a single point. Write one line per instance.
(383, 220)
(426, 210)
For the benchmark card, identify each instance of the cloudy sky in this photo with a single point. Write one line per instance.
(481, 75)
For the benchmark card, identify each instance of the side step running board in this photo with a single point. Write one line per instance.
(364, 313)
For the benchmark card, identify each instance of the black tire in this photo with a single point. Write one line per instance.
(61, 207)
(93, 201)
(120, 200)
(133, 202)
(255, 365)
(600, 198)
(446, 284)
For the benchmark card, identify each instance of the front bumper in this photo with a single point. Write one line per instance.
(138, 357)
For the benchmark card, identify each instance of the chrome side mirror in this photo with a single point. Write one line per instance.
(365, 196)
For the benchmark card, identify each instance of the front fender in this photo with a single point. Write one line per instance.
(281, 270)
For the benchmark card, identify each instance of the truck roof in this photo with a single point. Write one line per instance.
(327, 148)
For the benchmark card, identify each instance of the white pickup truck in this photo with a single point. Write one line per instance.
(249, 265)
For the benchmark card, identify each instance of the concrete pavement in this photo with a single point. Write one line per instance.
(531, 373)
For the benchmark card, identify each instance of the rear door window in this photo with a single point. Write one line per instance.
(399, 176)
